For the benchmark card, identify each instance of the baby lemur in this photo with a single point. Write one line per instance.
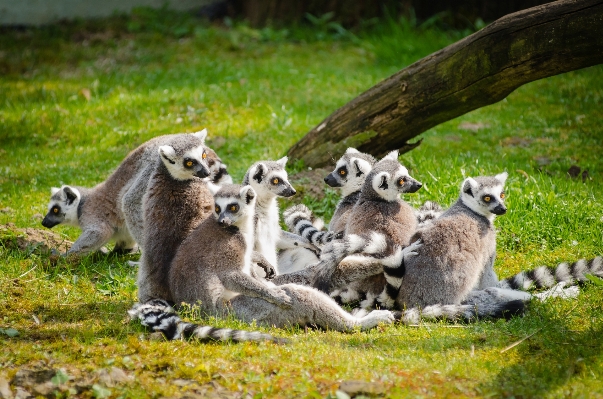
(213, 267)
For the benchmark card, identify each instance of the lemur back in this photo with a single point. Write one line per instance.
(176, 201)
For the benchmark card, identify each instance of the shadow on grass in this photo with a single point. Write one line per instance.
(566, 346)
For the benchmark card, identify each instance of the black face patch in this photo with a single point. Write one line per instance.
(342, 172)
(259, 174)
(189, 162)
(383, 185)
(234, 207)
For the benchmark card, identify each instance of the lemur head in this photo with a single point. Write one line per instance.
(217, 170)
(269, 179)
(62, 207)
(389, 179)
(485, 195)
(185, 157)
(350, 171)
(233, 204)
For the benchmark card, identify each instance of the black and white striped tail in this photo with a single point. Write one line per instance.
(547, 277)
(505, 310)
(158, 315)
(300, 220)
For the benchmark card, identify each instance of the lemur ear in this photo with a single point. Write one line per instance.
(361, 166)
(70, 194)
(380, 181)
(167, 152)
(247, 193)
(392, 155)
(283, 161)
(469, 185)
(201, 135)
(213, 189)
(502, 177)
(352, 151)
(54, 190)
(259, 173)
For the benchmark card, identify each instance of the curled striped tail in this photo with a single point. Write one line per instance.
(158, 315)
(300, 220)
(547, 276)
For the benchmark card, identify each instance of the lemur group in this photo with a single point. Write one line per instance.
(208, 242)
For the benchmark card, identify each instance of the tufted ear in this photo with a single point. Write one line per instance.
(468, 186)
(247, 193)
(258, 174)
(54, 190)
(201, 135)
(283, 161)
(502, 177)
(392, 155)
(70, 193)
(361, 166)
(168, 153)
(352, 151)
(213, 189)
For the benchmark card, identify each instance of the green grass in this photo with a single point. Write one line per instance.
(261, 90)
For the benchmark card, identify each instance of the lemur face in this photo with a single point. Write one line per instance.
(63, 206)
(186, 158)
(233, 204)
(269, 179)
(485, 195)
(350, 171)
(217, 170)
(389, 178)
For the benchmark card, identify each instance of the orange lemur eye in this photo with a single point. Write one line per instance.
(402, 181)
(275, 181)
(204, 155)
(217, 209)
(55, 210)
(502, 195)
(487, 198)
(342, 172)
(189, 163)
(233, 208)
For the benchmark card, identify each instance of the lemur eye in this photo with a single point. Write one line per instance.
(189, 163)
(487, 198)
(402, 180)
(234, 208)
(204, 155)
(275, 181)
(55, 210)
(217, 209)
(502, 195)
(342, 172)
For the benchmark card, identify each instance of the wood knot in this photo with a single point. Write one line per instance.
(403, 86)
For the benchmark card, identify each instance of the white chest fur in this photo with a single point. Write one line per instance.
(267, 229)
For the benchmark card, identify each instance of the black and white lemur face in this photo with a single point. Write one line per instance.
(485, 195)
(187, 158)
(389, 178)
(269, 179)
(233, 204)
(350, 171)
(62, 208)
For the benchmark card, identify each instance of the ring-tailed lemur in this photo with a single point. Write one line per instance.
(98, 211)
(384, 220)
(454, 252)
(269, 179)
(176, 200)
(349, 174)
(213, 267)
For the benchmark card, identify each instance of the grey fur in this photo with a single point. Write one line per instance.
(428, 212)
(269, 180)
(176, 201)
(213, 268)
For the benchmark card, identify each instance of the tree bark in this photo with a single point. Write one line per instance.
(476, 71)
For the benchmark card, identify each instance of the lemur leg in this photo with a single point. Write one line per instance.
(309, 307)
(261, 261)
(246, 285)
(91, 240)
